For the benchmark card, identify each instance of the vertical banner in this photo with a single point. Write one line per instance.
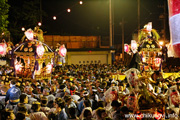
(174, 24)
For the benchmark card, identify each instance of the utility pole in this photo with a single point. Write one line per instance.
(122, 29)
(110, 23)
(164, 21)
(40, 3)
(138, 1)
(163, 18)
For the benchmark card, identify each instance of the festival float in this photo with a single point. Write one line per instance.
(33, 58)
(149, 48)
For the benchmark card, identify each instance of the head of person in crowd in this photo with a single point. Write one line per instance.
(1, 83)
(53, 89)
(44, 101)
(101, 103)
(7, 114)
(52, 116)
(87, 115)
(72, 113)
(60, 104)
(36, 106)
(86, 95)
(34, 88)
(46, 92)
(4, 89)
(124, 111)
(67, 99)
(87, 103)
(23, 98)
(101, 113)
(22, 108)
(115, 105)
(62, 88)
(13, 83)
(20, 116)
(97, 84)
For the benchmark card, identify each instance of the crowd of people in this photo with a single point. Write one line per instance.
(89, 92)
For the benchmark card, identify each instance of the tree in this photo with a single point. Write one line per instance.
(4, 8)
(23, 13)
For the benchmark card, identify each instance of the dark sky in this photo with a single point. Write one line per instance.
(92, 18)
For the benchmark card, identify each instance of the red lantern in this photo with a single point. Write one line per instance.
(62, 51)
(40, 50)
(157, 62)
(29, 34)
(3, 48)
(126, 48)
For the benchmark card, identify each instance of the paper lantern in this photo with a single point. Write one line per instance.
(40, 50)
(18, 67)
(3, 48)
(126, 48)
(29, 34)
(149, 27)
(133, 46)
(157, 62)
(62, 51)
(49, 68)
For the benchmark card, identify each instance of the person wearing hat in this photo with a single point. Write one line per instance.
(61, 92)
(3, 90)
(44, 107)
(23, 101)
(13, 95)
(81, 105)
(61, 114)
(36, 113)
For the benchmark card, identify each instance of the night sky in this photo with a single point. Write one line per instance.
(92, 17)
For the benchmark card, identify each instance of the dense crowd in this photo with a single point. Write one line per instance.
(88, 92)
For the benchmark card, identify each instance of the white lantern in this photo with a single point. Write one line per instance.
(40, 50)
(29, 34)
(3, 48)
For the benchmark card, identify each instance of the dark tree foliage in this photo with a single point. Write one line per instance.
(4, 8)
(23, 13)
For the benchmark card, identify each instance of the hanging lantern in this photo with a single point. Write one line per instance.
(133, 46)
(3, 48)
(126, 48)
(18, 67)
(62, 51)
(49, 68)
(149, 27)
(29, 34)
(40, 50)
(157, 62)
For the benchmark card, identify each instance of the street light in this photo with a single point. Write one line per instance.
(68, 10)
(80, 2)
(23, 29)
(161, 43)
(54, 17)
(39, 23)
